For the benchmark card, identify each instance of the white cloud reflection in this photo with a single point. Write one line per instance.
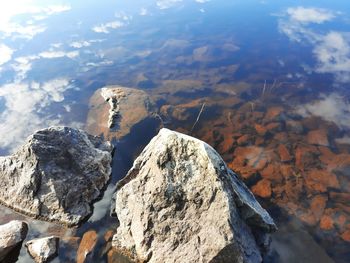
(26, 106)
(59, 54)
(105, 28)
(343, 140)
(202, 1)
(310, 15)
(80, 44)
(331, 49)
(11, 28)
(165, 4)
(143, 12)
(332, 108)
(102, 207)
(333, 55)
(5, 54)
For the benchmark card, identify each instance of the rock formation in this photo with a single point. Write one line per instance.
(43, 249)
(56, 175)
(180, 203)
(11, 235)
(114, 110)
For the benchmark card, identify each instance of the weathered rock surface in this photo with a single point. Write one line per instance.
(114, 110)
(180, 203)
(11, 235)
(43, 249)
(56, 175)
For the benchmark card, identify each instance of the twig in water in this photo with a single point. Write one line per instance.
(252, 104)
(273, 85)
(263, 93)
(199, 115)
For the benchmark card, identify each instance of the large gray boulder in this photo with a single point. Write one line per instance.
(43, 250)
(180, 203)
(11, 235)
(56, 175)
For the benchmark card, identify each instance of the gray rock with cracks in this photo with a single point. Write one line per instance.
(180, 203)
(56, 175)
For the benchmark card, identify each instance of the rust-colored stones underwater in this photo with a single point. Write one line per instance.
(274, 113)
(290, 159)
(319, 181)
(262, 188)
(346, 235)
(318, 137)
(284, 153)
(318, 205)
(327, 223)
(86, 246)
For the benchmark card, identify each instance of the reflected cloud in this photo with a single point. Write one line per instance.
(51, 10)
(26, 109)
(80, 44)
(101, 208)
(22, 66)
(26, 30)
(20, 31)
(59, 54)
(122, 20)
(333, 55)
(143, 12)
(309, 15)
(202, 1)
(332, 108)
(343, 140)
(331, 49)
(105, 28)
(165, 4)
(5, 54)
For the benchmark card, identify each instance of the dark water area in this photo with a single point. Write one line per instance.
(266, 83)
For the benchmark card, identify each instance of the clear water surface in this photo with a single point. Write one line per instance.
(273, 76)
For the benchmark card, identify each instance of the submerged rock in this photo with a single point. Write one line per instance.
(114, 110)
(56, 175)
(11, 235)
(86, 245)
(43, 249)
(180, 203)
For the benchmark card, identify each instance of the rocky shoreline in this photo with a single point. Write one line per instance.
(178, 203)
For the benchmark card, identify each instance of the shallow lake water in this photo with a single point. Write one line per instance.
(265, 82)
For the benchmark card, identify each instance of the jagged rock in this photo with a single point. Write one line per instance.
(114, 110)
(43, 249)
(180, 203)
(11, 235)
(56, 175)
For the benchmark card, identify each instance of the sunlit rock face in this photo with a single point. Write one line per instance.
(56, 175)
(11, 236)
(180, 203)
(43, 250)
(114, 110)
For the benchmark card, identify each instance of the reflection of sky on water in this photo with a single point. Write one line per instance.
(46, 45)
(55, 54)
